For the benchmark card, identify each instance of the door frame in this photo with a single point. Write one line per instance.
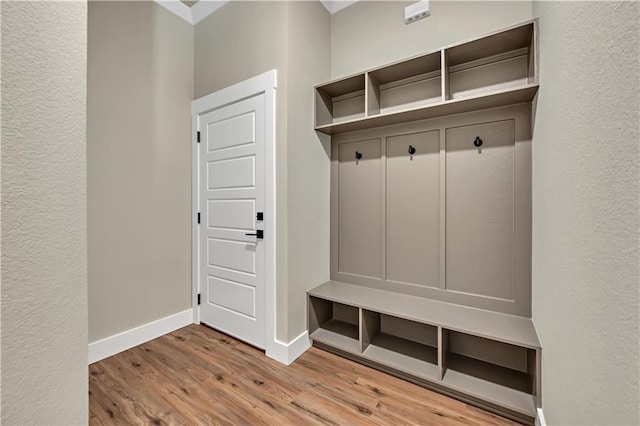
(266, 83)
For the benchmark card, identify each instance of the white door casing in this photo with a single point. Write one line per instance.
(233, 180)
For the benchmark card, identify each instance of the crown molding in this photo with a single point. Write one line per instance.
(334, 6)
(178, 8)
(195, 13)
(204, 8)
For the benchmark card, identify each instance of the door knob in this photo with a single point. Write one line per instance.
(358, 155)
(412, 150)
(477, 142)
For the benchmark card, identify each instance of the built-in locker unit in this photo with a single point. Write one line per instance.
(431, 221)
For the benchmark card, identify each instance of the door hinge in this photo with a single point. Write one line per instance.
(198, 298)
(198, 217)
(198, 137)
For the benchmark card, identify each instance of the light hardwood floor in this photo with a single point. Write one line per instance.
(198, 376)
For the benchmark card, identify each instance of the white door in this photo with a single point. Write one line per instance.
(232, 202)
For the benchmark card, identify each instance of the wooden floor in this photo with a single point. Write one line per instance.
(198, 376)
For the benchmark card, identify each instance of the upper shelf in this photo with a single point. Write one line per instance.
(495, 70)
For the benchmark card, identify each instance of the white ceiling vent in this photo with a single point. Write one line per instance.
(416, 11)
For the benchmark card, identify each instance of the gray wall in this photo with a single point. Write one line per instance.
(244, 39)
(237, 42)
(308, 157)
(44, 228)
(585, 214)
(139, 165)
(372, 33)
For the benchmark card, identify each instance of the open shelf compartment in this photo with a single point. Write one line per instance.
(334, 324)
(340, 100)
(401, 344)
(502, 373)
(499, 61)
(409, 84)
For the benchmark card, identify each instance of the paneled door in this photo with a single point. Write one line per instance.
(232, 202)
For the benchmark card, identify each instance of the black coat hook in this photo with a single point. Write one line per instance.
(358, 155)
(477, 142)
(412, 150)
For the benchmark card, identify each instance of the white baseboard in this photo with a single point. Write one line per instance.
(540, 418)
(136, 336)
(286, 353)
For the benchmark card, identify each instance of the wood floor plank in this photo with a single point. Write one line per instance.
(198, 376)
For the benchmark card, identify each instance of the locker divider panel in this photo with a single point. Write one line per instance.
(413, 209)
(359, 208)
(480, 209)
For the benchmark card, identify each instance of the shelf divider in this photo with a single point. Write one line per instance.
(444, 75)
(372, 95)
(369, 327)
(443, 348)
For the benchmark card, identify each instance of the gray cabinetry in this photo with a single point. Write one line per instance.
(431, 221)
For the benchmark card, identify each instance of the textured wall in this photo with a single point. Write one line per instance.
(372, 33)
(44, 229)
(585, 215)
(239, 41)
(308, 157)
(139, 165)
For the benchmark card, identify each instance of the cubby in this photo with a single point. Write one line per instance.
(401, 344)
(341, 100)
(404, 85)
(492, 71)
(489, 369)
(497, 62)
(334, 323)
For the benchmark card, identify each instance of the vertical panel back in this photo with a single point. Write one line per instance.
(480, 209)
(413, 209)
(359, 204)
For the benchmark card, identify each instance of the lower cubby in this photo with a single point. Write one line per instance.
(334, 323)
(501, 373)
(401, 344)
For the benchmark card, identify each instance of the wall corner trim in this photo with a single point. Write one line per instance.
(540, 421)
(286, 353)
(120, 342)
